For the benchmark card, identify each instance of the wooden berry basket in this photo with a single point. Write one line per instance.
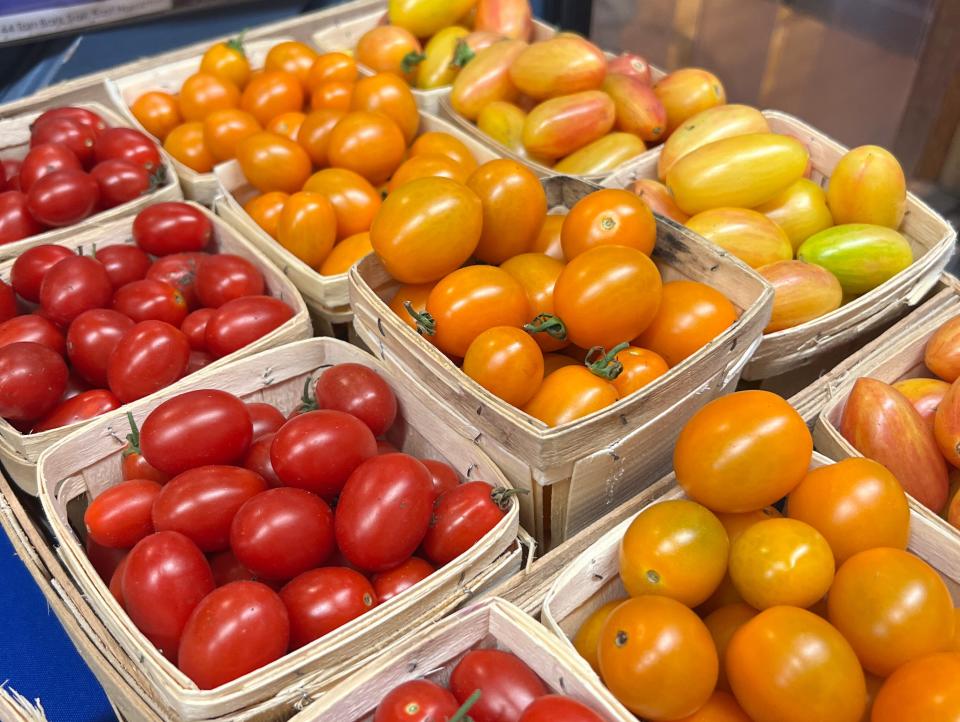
(14, 707)
(432, 654)
(15, 142)
(577, 472)
(327, 297)
(86, 463)
(930, 235)
(19, 452)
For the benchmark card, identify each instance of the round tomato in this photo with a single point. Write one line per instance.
(360, 392)
(507, 362)
(418, 700)
(272, 162)
(548, 241)
(149, 356)
(335, 95)
(321, 600)
(287, 125)
(426, 166)
(194, 327)
(925, 689)
(389, 49)
(157, 112)
(228, 61)
(79, 138)
(507, 686)
(514, 207)
(587, 638)
(180, 271)
(355, 202)
(120, 181)
(557, 707)
(203, 93)
(172, 227)
(416, 294)
(388, 94)
(390, 583)
(331, 67)
(16, 221)
(438, 143)
(147, 300)
(123, 264)
(368, 143)
(224, 129)
(82, 406)
(461, 517)
(224, 277)
(265, 210)
(33, 329)
(63, 198)
(640, 367)
(538, 274)
(242, 321)
(272, 93)
(307, 227)
(569, 393)
(291, 57)
(45, 159)
(74, 285)
(608, 217)
(127, 144)
(346, 254)
(186, 144)
(314, 134)
(265, 418)
(119, 517)
(723, 623)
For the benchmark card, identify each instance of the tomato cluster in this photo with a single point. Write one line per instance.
(129, 320)
(75, 167)
(297, 524)
(738, 610)
(486, 685)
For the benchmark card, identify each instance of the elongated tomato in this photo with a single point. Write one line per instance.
(723, 121)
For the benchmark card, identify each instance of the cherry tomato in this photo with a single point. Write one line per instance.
(82, 116)
(388, 94)
(507, 685)
(587, 638)
(127, 144)
(418, 700)
(224, 277)
(172, 227)
(507, 362)
(346, 254)
(82, 407)
(389, 49)
(236, 629)
(91, 338)
(291, 57)
(557, 707)
(331, 67)
(266, 418)
(11, 171)
(258, 460)
(443, 476)
(416, 294)
(166, 576)
(271, 93)
(8, 302)
(133, 465)
(104, 559)
(198, 360)
(321, 600)
(34, 329)
(186, 144)
(16, 221)
(147, 300)
(226, 569)
(45, 159)
(203, 93)
(63, 198)
(242, 321)
(116, 583)
(32, 265)
(228, 61)
(180, 271)
(157, 112)
(925, 689)
(355, 201)
(74, 285)
(265, 210)
(570, 393)
(538, 274)
(283, 532)
(640, 367)
(461, 518)
(314, 134)
(224, 129)
(548, 242)
(272, 162)
(426, 165)
(390, 583)
(367, 143)
(335, 95)
(119, 517)
(608, 217)
(514, 206)
(80, 139)
(150, 356)
(120, 181)
(194, 327)
(287, 124)
(307, 227)
(439, 143)
(123, 263)
(360, 392)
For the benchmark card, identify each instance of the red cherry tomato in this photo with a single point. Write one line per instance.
(258, 460)
(80, 407)
(127, 144)
(281, 533)
(180, 271)
(196, 428)
(116, 583)
(443, 476)
(236, 629)
(201, 503)
(461, 518)
(43, 160)
(8, 302)
(91, 338)
(171, 227)
(11, 170)
(149, 357)
(507, 685)
(266, 418)
(120, 181)
(226, 569)
(383, 511)
(32, 380)
(76, 284)
(242, 321)
(321, 600)
(34, 329)
(124, 263)
(63, 198)
(78, 137)
(133, 465)
(318, 450)
(359, 391)
(32, 265)
(556, 707)
(120, 516)
(104, 559)
(16, 222)
(224, 277)
(77, 115)
(166, 576)
(147, 300)
(390, 583)
(194, 327)
(419, 700)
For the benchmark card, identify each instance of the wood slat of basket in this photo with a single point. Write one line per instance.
(433, 653)
(930, 235)
(578, 471)
(21, 451)
(15, 142)
(88, 462)
(14, 707)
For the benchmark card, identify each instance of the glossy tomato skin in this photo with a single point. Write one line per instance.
(32, 380)
(149, 300)
(127, 144)
(925, 689)
(8, 302)
(81, 116)
(507, 685)
(390, 583)
(258, 460)
(120, 516)
(266, 418)
(242, 321)
(91, 338)
(224, 277)
(321, 600)
(34, 329)
(74, 285)
(319, 450)
(32, 265)
(180, 271)
(77, 137)
(124, 264)
(196, 428)
(166, 576)
(272, 162)
(283, 532)
(201, 503)
(82, 407)
(443, 476)
(194, 327)
(418, 700)
(358, 391)
(45, 159)
(63, 198)
(150, 356)
(461, 517)
(172, 227)
(555, 707)
(236, 629)
(119, 181)
(16, 221)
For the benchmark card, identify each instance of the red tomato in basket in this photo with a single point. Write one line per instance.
(120, 181)
(321, 600)
(8, 302)
(443, 476)
(120, 516)
(319, 450)
(383, 511)
(180, 271)
(104, 559)
(127, 144)
(507, 685)
(32, 265)
(166, 576)
(78, 137)
(358, 391)
(461, 518)
(80, 407)
(76, 284)
(75, 387)
(281, 533)
(133, 465)
(224, 277)
(16, 222)
(32, 380)
(63, 198)
(555, 707)
(266, 418)
(45, 159)
(236, 629)
(418, 700)
(199, 360)
(124, 263)
(34, 329)
(172, 227)
(91, 338)
(77, 115)
(242, 321)
(196, 428)
(149, 300)
(149, 357)
(194, 327)
(390, 583)
(116, 582)
(258, 460)
(11, 172)
(227, 568)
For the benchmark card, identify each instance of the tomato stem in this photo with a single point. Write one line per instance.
(462, 55)
(461, 715)
(426, 325)
(606, 366)
(411, 60)
(133, 438)
(501, 497)
(237, 44)
(307, 402)
(549, 324)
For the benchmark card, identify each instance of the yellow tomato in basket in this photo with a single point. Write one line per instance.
(588, 636)
(570, 393)
(748, 235)
(867, 186)
(437, 70)
(514, 206)
(228, 61)
(503, 122)
(346, 253)
(686, 92)
(425, 18)
(562, 65)
(307, 227)
(559, 126)
(800, 210)
(602, 155)
(507, 362)
(538, 274)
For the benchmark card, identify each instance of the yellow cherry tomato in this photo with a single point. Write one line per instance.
(570, 393)
(346, 253)
(507, 362)
(228, 61)
(307, 227)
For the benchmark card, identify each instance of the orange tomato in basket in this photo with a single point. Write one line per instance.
(746, 234)
(659, 199)
(315, 131)
(640, 367)
(335, 95)
(925, 395)
(925, 689)
(346, 253)
(387, 94)
(563, 65)
(686, 92)
(721, 707)
(291, 57)
(538, 275)
(157, 112)
(202, 93)
(271, 93)
(354, 200)
(802, 292)
(611, 217)
(723, 623)
(587, 638)
(439, 143)
(417, 294)
(265, 210)
(507, 362)
(307, 227)
(514, 206)
(549, 241)
(228, 61)
(185, 144)
(559, 126)
(569, 393)
(942, 352)
(486, 78)
(554, 361)
(287, 124)
(867, 186)
(272, 162)
(390, 49)
(224, 129)
(426, 165)
(331, 68)
(370, 144)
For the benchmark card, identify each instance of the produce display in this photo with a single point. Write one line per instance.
(76, 166)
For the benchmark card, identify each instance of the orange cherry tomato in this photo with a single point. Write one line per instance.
(157, 112)
(203, 93)
(659, 199)
(607, 295)
(291, 57)
(569, 393)
(926, 689)
(416, 294)
(369, 143)
(587, 638)
(723, 623)
(721, 707)
(608, 217)
(388, 94)
(690, 316)
(307, 227)
(675, 549)
(657, 658)
(538, 274)
(331, 67)
(265, 210)
(470, 300)
(287, 124)
(427, 165)
(315, 131)
(272, 162)
(737, 523)
(554, 361)
(346, 253)
(354, 200)
(640, 367)
(390, 49)
(506, 362)
(185, 144)
(437, 143)
(271, 93)
(548, 241)
(335, 95)
(228, 61)
(224, 129)
(724, 595)
(514, 206)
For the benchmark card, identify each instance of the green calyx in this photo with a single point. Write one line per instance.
(605, 364)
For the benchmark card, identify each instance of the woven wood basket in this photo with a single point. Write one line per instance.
(14, 707)
(85, 463)
(19, 452)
